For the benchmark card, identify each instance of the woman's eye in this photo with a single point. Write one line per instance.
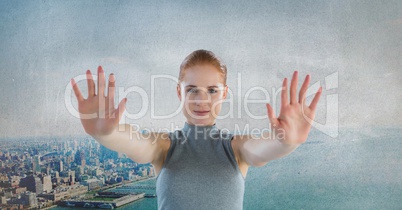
(195, 90)
(212, 91)
(192, 90)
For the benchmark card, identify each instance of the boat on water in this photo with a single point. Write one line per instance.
(70, 204)
(106, 206)
(149, 195)
(89, 205)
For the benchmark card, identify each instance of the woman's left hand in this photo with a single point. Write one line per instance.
(295, 118)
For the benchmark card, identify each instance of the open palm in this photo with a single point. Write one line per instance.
(295, 117)
(97, 113)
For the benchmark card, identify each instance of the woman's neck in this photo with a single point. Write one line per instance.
(199, 131)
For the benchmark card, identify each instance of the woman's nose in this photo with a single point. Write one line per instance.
(202, 97)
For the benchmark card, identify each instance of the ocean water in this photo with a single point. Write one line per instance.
(358, 170)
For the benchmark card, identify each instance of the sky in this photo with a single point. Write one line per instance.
(351, 48)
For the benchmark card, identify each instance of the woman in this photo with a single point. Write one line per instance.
(199, 166)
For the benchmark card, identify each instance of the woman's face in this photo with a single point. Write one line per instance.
(201, 93)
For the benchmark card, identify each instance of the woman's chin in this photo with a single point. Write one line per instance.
(202, 122)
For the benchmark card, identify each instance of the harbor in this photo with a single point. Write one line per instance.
(106, 200)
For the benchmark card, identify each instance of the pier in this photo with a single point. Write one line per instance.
(109, 202)
(136, 187)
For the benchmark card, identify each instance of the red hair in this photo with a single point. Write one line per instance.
(200, 57)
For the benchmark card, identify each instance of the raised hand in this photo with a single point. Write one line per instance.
(295, 117)
(97, 113)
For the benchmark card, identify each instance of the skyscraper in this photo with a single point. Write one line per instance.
(60, 165)
(47, 183)
(36, 164)
(80, 158)
(32, 183)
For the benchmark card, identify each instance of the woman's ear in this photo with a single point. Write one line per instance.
(178, 89)
(225, 92)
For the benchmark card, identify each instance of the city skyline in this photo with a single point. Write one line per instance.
(45, 172)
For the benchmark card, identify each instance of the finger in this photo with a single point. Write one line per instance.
(284, 94)
(120, 109)
(91, 84)
(101, 82)
(293, 88)
(315, 99)
(111, 89)
(271, 116)
(303, 90)
(77, 91)
(271, 113)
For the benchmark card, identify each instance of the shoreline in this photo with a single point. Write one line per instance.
(129, 183)
(108, 188)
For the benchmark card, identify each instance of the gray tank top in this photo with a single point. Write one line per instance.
(200, 171)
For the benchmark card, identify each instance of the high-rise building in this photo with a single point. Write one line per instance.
(80, 158)
(32, 183)
(79, 170)
(96, 161)
(144, 172)
(60, 165)
(56, 178)
(92, 183)
(151, 171)
(71, 175)
(29, 199)
(47, 183)
(36, 164)
(48, 169)
(96, 172)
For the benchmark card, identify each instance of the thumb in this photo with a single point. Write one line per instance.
(121, 108)
(271, 115)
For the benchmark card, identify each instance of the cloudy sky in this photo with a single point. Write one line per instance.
(351, 48)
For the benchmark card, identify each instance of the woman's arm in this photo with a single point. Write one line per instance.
(141, 148)
(100, 119)
(288, 131)
(258, 151)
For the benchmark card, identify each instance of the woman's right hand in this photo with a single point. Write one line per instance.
(104, 117)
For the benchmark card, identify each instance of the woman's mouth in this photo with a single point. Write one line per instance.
(201, 113)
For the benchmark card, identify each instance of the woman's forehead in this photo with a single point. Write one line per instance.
(219, 85)
(203, 76)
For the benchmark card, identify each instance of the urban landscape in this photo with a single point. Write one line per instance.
(45, 172)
